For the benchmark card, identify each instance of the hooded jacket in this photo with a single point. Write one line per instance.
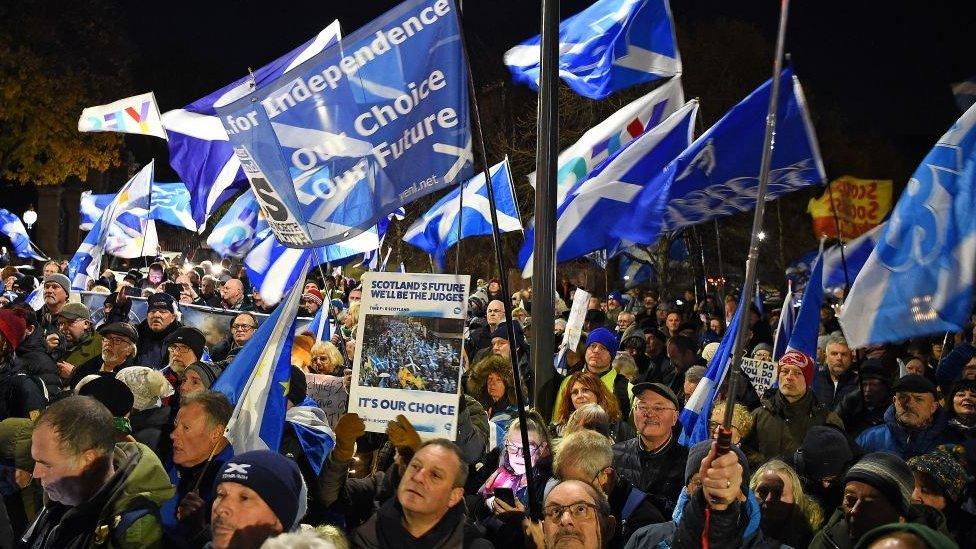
(892, 437)
(477, 385)
(779, 426)
(123, 513)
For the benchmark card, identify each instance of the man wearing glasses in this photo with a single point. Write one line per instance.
(653, 461)
(242, 328)
(118, 350)
(577, 515)
(83, 345)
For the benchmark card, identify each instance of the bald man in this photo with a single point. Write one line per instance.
(232, 295)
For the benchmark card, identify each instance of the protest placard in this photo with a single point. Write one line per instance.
(330, 395)
(408, 360)
(762, 374)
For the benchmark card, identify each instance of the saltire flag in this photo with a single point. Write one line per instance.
(620, 128)
(256, 381)
(92, 206)
(235, 234)
(591, 209)
(634, 273)
(13, 228)
(698, 410)
(274, 268)
(170, 204)
(787, 319)
(320, 324)
(919, 278)
(331, 160)
(35, 299)
(718, 174)
(138, 114)
(199, 149)
(372, 259)
(856, 254)
(123, 229)
(610, 46)
(806, 329)
(445, 223)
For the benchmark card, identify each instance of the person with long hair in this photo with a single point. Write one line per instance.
(789, 515)
(583, 388)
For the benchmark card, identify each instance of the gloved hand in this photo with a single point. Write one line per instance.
(347, 430)
(402, 434)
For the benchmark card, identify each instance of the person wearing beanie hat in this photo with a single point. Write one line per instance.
(116, 396)
(161, 320)
(915, 425)
(198, 377)
(906, 534)
(709, 350)
(877, 491)
(821, 461)
(763, 352)
(13, 329)
(940, 482)
(22, 393)
(278, 507)
(57, 288)
(310, 303)
(184, 346)
(151, 420)
(600, 350)
(784, 418)
(865, 406)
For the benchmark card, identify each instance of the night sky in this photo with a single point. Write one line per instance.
(884, 69)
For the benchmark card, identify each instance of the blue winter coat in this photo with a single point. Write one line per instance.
(892, 437)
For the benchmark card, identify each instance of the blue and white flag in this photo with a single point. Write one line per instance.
(35, 299)
(328, 160)
(198, 146)
(606, 138)
(856, 254)
(787, 319)
(585, 219)
(274, 268)
(718, 174)
(171, 205)
(440, 228)
(806, 329)
(919, 279)
(92, 206)
(320, 325)
(609, 46)
(13, 228)
(256, 381)
(234, 235)
(697, 412)
(124, 230)
(634, 273)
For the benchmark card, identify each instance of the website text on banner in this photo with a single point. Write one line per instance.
(360, 129)
(408, 357)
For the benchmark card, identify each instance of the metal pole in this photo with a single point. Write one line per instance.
(544, 256)
(840, 238)
(534, 505)
(720, 287)
(752, 262)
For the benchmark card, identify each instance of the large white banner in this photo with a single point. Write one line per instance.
(408, 358)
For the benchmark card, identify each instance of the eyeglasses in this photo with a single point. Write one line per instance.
(245, 327)
(580, 510)
(648, 410)
(517, 448)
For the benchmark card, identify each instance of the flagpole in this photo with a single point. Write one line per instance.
(534, 505)
(752, 262)
(544, 246)
(840, 239)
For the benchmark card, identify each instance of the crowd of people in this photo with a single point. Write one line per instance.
(110, 434)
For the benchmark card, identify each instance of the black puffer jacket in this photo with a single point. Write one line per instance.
(660, 474)
(152, 350)
(32, 359)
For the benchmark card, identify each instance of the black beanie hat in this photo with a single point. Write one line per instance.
(825, 452)
(888, 474)
(276, 479)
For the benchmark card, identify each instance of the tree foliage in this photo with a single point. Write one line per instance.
(54, 62)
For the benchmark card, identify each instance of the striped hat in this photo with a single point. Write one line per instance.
(888, 474)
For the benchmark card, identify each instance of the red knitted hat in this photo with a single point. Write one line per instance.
(313, 294)
(802, 361)
(13, 326)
